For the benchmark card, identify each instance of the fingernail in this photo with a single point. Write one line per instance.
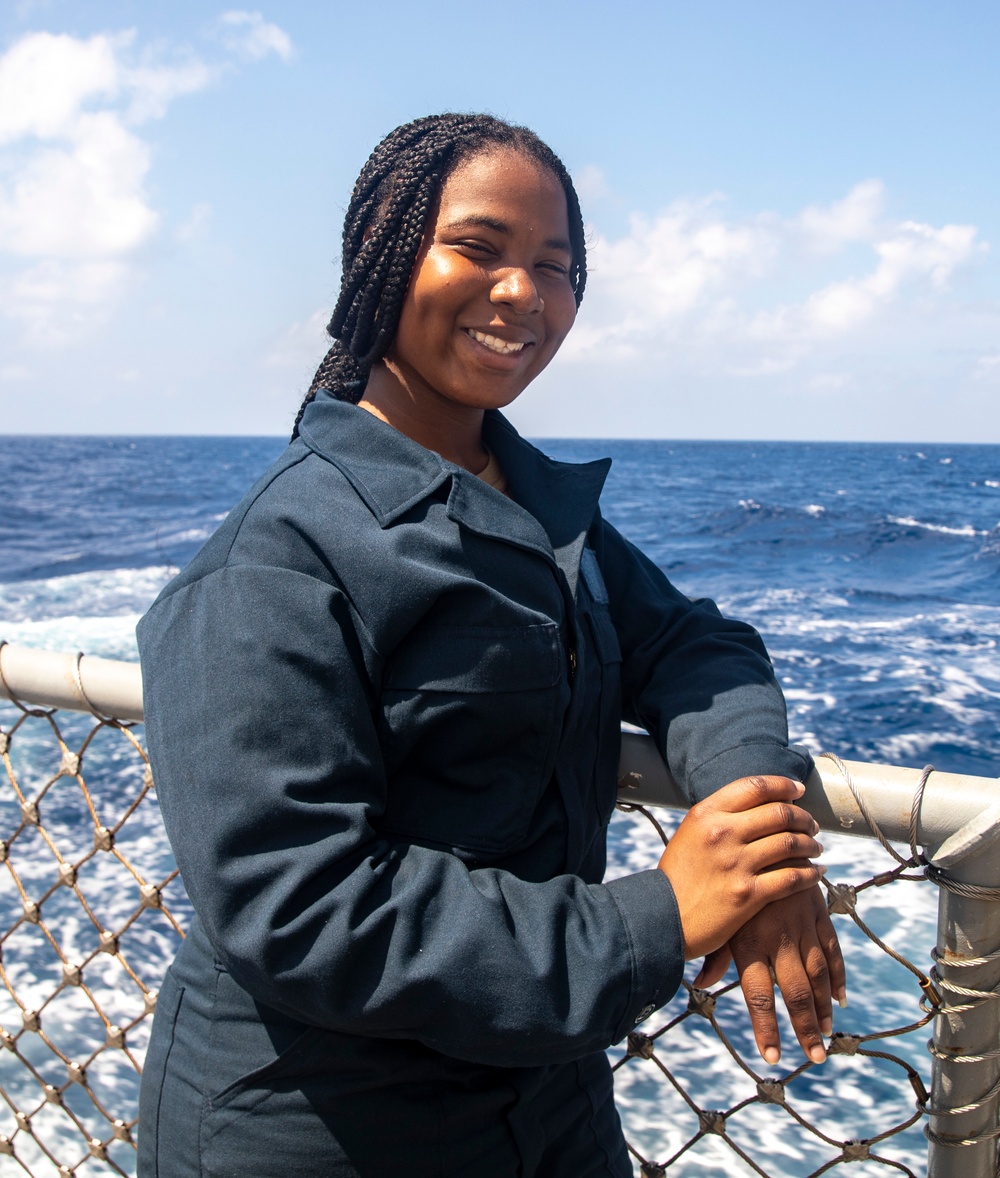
(826, 1026)
(800, 789)
(772, 1054)
(815, 829)
(821, 848)
(817, 1054)
(842, 1001)
(821, 867)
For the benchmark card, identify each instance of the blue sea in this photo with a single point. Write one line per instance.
(872, 571)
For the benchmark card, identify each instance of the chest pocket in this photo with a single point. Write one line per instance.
(470, 721)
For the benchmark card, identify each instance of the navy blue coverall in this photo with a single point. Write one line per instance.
(383, 708)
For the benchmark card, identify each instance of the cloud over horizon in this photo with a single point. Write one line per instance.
(74, 205)
(758, 294)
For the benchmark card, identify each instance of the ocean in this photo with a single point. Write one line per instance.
(872, 571)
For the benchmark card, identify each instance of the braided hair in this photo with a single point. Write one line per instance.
(384, 228)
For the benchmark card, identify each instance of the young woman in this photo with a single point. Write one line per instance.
(384, 709)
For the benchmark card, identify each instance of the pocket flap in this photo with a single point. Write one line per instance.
(477, 659)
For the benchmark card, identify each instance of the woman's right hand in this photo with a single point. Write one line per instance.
(735, 852)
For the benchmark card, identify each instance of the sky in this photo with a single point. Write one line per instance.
(792, 207)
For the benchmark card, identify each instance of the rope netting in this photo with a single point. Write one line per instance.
(931, 995)
(86, 933)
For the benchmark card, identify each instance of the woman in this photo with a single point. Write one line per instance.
(384, 709)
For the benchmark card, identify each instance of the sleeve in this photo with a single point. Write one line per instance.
(261, 723)
(702, 685)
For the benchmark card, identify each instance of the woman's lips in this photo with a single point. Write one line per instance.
(495, 343)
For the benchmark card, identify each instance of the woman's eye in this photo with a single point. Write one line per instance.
(555, 268)
(475, 247)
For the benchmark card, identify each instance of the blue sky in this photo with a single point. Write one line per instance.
(793, 207)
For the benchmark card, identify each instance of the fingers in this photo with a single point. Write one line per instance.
(749, 793)
(785, 847)
(834, 958)
(775, 818)
(791, 944)
(714, 969)
(786, 879)
(758, 992)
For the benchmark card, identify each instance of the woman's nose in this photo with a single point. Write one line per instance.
(516, 288)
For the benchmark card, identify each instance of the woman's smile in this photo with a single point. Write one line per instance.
(496, 344)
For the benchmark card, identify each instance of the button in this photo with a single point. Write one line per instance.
(644, 1014)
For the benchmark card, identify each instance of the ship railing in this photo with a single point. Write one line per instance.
(72, 1104)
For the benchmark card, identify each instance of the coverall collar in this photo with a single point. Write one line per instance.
(391, 473)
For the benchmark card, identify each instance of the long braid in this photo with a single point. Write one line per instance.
(384, 228)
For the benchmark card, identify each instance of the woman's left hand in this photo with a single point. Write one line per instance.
(795, 939)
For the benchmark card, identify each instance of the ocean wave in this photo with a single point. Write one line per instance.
(103, 593)
(908, 521)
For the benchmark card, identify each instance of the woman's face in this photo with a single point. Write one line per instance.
(489, 300)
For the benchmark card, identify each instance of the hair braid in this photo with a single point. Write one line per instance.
(385, 225)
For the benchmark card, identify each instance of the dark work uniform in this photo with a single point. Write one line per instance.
(383, 707)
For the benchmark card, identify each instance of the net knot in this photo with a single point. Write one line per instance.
(104, 839)
(702, 1002)
(841, 899)
(712, 1122)
(856, 1151)
(640, 1044)
(843, 1044)
(770, 1092)
(6, 1146)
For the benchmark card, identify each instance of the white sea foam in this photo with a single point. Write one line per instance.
(98, 593)
(907, 521)
(814, 509)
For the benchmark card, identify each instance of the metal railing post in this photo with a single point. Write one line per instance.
(966, 1045)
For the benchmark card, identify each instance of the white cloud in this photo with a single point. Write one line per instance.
(591, 183)
(693, 282)
(251, 37)
(987, 367)
(303, 344)
(855, 218)
(45, 79)
(55, 301)
(74, 205)
(194, 226)
(82, 199)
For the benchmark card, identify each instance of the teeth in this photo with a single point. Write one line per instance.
(494, 344)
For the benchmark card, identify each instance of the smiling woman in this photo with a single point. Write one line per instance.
(416, 639)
